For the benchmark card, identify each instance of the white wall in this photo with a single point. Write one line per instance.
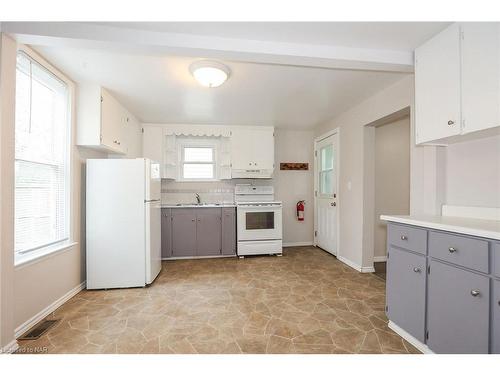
(293, 186)
(356, 206)
(392, 177)
(473, 173)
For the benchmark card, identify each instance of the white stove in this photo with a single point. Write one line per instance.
(259, 220)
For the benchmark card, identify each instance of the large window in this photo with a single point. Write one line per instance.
(41, 158)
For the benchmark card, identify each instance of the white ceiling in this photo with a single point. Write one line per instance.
(161, 89)
(158, 88)
(403, 36)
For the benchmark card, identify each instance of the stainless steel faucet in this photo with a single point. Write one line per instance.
(198, 200)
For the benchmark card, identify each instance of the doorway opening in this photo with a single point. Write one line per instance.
(391, 181)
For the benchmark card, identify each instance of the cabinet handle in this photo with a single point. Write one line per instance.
(404, 238)
(249, 163)
(450, 122)
(452, 250)
(192, 220)
(416, 269)
(475, 292)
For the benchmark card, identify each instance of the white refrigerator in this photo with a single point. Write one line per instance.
(123, 223)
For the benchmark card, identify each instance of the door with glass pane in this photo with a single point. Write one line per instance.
(326, 193)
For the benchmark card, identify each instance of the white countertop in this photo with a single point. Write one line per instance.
(194, 205)
(474, 227)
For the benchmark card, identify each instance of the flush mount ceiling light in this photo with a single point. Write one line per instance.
(209, 73)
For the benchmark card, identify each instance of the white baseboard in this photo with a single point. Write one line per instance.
(357, 267)
(381, 258)
(294, 244)
(10, 348)
(412, 340)
(27, 325)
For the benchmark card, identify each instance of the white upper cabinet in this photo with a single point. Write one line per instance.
(457, 83)
(480, 76)
(437, 86)
(102, 120)
(252, 152)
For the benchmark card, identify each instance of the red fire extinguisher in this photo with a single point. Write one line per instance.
(301, 205)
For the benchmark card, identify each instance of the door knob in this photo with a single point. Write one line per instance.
(450, 122)
(404, 238)
(475, 292)
(416, 269)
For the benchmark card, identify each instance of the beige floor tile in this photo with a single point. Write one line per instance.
(304, 302)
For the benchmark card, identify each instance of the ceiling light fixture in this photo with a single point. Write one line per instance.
(209, 73)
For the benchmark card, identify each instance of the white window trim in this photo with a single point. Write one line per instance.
(194, 142)
(27, 257)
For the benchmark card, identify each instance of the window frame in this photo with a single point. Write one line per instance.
(34, 254)
(202, 142)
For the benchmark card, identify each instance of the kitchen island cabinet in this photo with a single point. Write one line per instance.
(191, 232)
(442, 285)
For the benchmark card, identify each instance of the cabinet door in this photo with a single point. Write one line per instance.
(406, 278)
(228, 231)
(208, 231)
(437, 86)
(242, 149)
(480, 75)
(263, 141)
(496, 317)
(458, 310)
(152, 143)
(166, 232)
(112, 122)
(183, 232)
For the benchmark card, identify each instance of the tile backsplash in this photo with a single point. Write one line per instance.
(173, 192)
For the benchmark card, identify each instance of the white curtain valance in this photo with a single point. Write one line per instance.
(198, 130)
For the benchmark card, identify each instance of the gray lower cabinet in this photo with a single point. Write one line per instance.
(190, 232)
(443, 288)
(208, 231)
(166, 232)
(458, 310)
(183, 232)
(228, 231)
(495, 313)
(406, 291)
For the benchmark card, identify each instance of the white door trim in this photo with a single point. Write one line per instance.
(335, 131)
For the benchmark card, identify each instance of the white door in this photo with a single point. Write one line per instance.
(480, 75)
(263, 149)
(326, 193)
(112, 122)
(242, 149)
(437, 86)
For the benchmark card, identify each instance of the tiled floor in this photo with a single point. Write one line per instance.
(303, 302)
